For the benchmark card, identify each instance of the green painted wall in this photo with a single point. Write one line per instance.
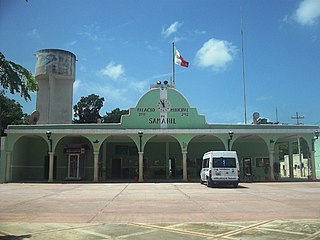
(29, 159)
(317, 157)
(147, 113)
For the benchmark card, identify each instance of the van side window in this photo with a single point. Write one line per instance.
(205, 163)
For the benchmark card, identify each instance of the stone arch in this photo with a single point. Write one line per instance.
(28, 159)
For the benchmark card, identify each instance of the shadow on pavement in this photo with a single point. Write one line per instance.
(12, 237)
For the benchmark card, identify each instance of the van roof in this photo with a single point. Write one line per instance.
(222, 153)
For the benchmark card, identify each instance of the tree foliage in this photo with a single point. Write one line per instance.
(15, 78)
(10, 113)
(87, 109)
(115, 116)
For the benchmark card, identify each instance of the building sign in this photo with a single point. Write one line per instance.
(75, 150)
(163, 107)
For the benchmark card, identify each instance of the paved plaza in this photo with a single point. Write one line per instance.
(160, 211)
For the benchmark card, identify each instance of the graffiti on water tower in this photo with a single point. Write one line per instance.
(55, 62)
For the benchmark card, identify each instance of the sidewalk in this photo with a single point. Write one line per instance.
(169, 210)
(272, 229)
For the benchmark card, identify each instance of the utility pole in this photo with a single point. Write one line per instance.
(297, 117)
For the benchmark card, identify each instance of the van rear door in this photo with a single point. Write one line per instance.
(225, 168)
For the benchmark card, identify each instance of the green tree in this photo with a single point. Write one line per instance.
(11, 113)
(15, 78)
(87, 109)
(115, 116)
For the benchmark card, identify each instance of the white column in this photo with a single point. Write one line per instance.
(51, 157)
(291, 175)
(271, 160)
(8, 167)
(300, 157)
(141, 167)
(313, 165)
(95, 166)
(276, 157)
(184, 166)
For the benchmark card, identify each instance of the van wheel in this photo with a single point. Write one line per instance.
(235, 185)
(201, 182)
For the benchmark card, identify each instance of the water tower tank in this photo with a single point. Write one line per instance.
(55, 74)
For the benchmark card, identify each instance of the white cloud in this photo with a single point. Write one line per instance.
(308, 12)
(115, 94)
(215, 54)
(76, 85)
(171, 29)
(112, 70)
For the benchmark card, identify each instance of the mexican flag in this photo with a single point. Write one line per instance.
(179, 60)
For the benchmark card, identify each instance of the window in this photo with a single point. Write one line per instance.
(224, 163)
(205, 163)
(262, 162)
(126, 150)
(247, 166)
(122, 150)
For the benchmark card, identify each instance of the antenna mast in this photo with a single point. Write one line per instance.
(243, 73)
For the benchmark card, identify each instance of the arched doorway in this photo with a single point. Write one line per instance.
(118, 159)
(29, 159)
(73, 159)
(196, 148)
(162, 159)
(253, 154)
(294, 160)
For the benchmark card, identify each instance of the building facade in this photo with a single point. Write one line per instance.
(162, 138)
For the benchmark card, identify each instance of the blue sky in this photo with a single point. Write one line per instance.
(124, 46)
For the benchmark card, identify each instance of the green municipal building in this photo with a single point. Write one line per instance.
(162, 138)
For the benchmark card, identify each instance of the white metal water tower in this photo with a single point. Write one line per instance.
(55, 74)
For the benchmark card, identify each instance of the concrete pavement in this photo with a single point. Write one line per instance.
(160, 210)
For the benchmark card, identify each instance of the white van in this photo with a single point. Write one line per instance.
(220, 167)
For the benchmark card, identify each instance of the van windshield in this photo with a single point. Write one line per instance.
(224, 163)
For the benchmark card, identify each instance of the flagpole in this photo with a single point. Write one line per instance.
(173, 67)
(243, 73)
